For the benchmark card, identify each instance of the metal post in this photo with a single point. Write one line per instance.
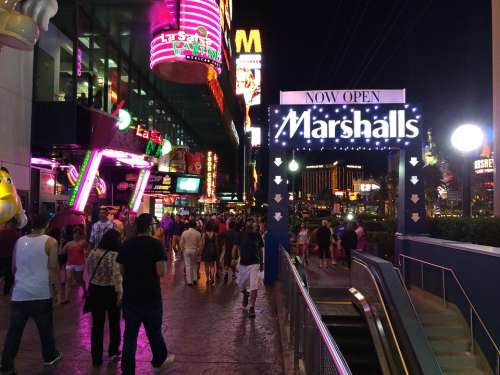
(444, 287)
(422, 275)
(471, 331)
(466, 199)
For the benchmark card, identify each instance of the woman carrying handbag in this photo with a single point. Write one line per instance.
(105, 295)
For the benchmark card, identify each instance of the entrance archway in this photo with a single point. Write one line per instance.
(348, 127)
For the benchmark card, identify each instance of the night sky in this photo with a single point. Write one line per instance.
(440, 51)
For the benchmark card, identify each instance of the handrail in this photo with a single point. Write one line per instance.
(333, 350)
(471, 305)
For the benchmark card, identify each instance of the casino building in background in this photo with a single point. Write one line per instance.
(166, 70)
(336, 178)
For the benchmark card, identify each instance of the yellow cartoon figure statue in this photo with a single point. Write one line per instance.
(10, 204)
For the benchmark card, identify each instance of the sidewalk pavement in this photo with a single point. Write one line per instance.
(205, 327)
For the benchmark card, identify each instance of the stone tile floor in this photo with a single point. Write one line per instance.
(205, 327)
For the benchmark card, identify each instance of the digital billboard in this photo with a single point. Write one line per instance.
(188, 185)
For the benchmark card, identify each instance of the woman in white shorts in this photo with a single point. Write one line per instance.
(76, 262)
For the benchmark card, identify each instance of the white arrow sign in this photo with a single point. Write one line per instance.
(415, 216)
(413, 161)
(278, 198)
(278, 216)
(414, 198)
(414, 180)
(278, 180)
(278, 161)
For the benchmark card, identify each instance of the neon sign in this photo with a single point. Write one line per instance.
(192, 52)
(249, 43)
(395, 125)
(153, 135)
(484, 166)
(211, 173)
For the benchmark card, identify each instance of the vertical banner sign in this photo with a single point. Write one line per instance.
(344, 127)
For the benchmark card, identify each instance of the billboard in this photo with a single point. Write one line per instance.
(186, 41)
(248, 78)
(248, 69)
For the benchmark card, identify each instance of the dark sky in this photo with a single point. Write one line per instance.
(439, 50)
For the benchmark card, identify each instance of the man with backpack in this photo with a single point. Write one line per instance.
(251, 264)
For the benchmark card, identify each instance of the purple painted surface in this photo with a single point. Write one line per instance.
(205, 327)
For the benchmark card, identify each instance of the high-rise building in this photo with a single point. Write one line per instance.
(330, 178)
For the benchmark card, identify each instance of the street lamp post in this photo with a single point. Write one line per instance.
(467, 138)
(293, 167)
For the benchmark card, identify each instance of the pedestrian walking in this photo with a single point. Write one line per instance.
(8, 237)
(75, 263)
(190, 245)
(105, 291)
(303, 243)
(361, 235)
(324, 237)
(251, 264)
(99, 228)
(209, 254)
(232, 238)
(349, 242)
(142, 261)
(178, 228)
(35, 268)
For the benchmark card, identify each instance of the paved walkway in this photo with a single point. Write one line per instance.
(205, 327)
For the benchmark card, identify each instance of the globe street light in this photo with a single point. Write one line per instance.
(467, 138)
(293, 166)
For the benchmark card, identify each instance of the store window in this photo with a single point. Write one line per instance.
(84, 59)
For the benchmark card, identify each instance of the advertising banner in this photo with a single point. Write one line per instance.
(343, 97)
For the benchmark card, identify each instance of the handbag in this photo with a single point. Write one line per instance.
(89, 303)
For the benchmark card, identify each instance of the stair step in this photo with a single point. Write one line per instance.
(444, 332)
(450, 345)
(458, 362)
(466, 371)
(436, 319)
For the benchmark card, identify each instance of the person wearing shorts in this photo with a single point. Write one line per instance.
(324, 237)
(75, 263)
(251, 264)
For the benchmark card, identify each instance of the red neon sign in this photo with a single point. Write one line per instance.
(150, 135)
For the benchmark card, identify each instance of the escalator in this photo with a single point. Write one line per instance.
(350, 331)
(373, 322)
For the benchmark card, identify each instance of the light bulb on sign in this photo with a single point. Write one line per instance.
(124, 119)
(166, 148)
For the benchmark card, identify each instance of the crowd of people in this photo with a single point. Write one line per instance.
(334, 244)
(118, 267)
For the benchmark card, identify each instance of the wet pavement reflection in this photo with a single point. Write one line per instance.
(204, 326)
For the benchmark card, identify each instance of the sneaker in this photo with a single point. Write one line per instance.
(54, 361)
(245, 298)
(170, 359)
(251, 312)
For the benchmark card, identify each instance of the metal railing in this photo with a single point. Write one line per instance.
(310, 339)
(472, 308)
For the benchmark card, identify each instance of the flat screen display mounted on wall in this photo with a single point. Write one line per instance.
(188, 185)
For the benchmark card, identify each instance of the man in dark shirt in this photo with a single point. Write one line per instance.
(177, 228)
(8, 237)
(324, 237)
(349, 242)
(143, 261)
(251, 263)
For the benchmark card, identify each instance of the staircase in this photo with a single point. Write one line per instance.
(350, 331)
(448, 335)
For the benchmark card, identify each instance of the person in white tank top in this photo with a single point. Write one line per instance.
(35, 268)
